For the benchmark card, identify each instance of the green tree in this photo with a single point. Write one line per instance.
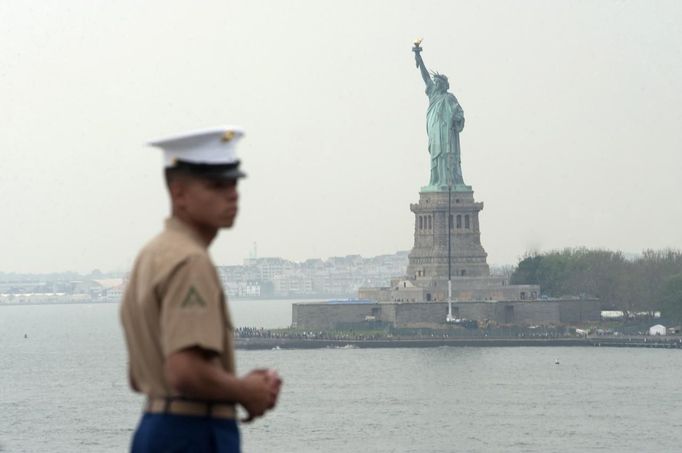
(670, 298)
(526, 272)
(630, 285)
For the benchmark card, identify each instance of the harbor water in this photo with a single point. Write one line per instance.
(63, 388)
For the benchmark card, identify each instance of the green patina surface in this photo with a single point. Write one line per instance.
(444, 122)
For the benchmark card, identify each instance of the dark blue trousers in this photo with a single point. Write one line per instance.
(169, 433)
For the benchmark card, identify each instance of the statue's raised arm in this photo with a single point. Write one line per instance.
(420, 63)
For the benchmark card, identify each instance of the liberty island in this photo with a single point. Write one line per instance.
(447, 279)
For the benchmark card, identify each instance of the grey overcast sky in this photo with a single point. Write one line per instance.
(572, 138)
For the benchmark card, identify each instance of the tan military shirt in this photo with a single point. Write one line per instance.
(173, 301)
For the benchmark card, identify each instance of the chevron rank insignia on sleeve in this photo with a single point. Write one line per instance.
(193, 299)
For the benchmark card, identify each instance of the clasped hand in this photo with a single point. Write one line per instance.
(262, 388)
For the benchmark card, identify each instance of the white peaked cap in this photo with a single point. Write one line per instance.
(215, 146)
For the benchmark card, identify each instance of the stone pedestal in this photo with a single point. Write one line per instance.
(428, 260)
(426, 279)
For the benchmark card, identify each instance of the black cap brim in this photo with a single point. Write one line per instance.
(223, 172)
(224, 175)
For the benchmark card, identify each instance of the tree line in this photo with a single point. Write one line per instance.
(650, 282)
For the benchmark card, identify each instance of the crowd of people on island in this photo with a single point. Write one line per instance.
(534, 332)
(260, 332)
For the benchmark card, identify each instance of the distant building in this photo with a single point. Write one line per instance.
(292, 283)
(658, 329)
(333, 277)
(110, 289)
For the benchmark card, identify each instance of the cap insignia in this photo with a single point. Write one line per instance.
(229, 135)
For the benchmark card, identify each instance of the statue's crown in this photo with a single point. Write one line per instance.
(442, 77)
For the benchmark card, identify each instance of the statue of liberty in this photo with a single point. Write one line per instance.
(444, 122)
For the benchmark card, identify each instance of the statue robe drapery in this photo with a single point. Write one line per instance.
(444, 122)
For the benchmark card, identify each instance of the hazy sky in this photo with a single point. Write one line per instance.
(573, 122)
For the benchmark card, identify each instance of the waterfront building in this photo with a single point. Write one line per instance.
(292, 284)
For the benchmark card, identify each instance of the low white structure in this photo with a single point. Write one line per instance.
(658, 329)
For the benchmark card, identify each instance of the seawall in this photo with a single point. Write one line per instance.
(303, 343)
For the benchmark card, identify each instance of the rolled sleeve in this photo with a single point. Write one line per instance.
(191, 313)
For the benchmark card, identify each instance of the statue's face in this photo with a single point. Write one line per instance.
(440, 84)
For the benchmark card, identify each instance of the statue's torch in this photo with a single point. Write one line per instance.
(417, 48)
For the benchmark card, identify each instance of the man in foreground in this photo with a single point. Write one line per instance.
(177, 325)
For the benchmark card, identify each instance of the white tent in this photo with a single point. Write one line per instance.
(658, 329)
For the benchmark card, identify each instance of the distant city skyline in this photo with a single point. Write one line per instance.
(495, 267)
(257, 278)
(96, 270)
